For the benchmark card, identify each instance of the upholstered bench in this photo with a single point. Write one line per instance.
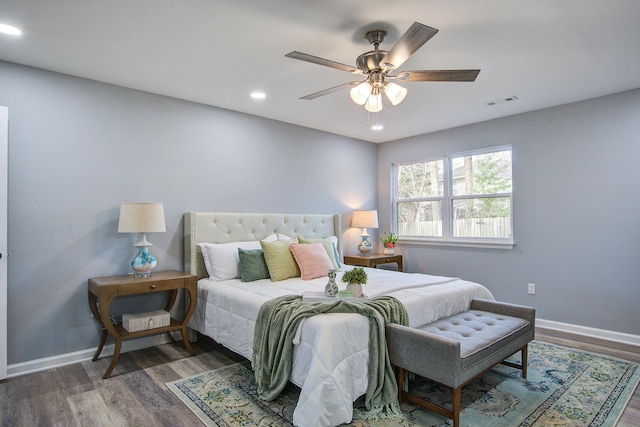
(457, 349)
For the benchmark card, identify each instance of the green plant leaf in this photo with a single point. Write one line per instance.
(355, 275)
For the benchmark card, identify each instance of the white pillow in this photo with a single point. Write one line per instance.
(334, 240)
(284, 237)
(222, 260)
(274, 237)
(270, 238)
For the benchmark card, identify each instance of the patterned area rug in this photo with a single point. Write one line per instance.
(565, 387)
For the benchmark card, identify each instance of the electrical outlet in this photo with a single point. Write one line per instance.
(532, 288)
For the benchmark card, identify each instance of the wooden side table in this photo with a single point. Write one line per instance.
(103, 290)
(373, 260)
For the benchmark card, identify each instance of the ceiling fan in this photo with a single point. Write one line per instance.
(378, 65)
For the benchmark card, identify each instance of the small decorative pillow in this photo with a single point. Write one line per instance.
(279, 260)
(252, 265)
(328, 246)
(312, 260)
(221, 259)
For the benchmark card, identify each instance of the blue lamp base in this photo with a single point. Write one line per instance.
(365, 247)
(143, 263)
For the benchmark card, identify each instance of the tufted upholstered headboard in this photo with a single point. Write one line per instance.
(225, 227)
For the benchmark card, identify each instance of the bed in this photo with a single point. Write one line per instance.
(330, 359)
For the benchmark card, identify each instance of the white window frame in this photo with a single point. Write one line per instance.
(447, 199)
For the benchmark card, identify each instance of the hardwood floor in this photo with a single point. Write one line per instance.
(136, 395)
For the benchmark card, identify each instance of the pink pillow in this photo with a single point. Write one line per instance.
(312, 259)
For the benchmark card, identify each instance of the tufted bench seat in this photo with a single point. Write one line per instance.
(457, 349)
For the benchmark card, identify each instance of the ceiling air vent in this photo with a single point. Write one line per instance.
(503, 100)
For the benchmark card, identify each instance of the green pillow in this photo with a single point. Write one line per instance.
(252, 265)
(279, 259)
(328, 246)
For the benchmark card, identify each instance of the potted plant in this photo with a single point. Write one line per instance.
(355, 278)
(389, 242)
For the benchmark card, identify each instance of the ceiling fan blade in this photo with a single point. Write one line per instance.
(438, 76)
(330, 90)
(412, 40)
(321, 61)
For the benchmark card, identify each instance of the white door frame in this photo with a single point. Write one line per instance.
(4, 166)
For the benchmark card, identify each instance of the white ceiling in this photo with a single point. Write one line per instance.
(545, 52)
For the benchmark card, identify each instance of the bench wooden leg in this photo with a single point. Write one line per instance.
(524, 354)
(455, 404)
(454, 413)
(400, 381)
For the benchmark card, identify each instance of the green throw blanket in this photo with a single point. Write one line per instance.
(276, 326)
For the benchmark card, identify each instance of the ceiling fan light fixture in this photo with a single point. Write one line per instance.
(374, 102)
(376, 66)
(360, 93)
(395, 93)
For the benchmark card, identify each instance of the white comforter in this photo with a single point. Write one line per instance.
(330, 362)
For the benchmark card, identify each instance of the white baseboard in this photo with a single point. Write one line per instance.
(604, 334)
(82, 355)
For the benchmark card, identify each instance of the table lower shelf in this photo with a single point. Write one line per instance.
(122, 335)
(174, 325)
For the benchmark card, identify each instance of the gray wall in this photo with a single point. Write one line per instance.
(78, 149)
(576, 171)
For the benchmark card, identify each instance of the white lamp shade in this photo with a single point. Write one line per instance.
(141, 218)
(365, 219)
(395, 93)
(374, 103)
(360, 93)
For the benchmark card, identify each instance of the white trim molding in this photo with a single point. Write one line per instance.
(619, 337)
(82, 355)
(4, 163)
(466, 243)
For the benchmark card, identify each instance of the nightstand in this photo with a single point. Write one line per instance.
(103, 290)
(373, 260)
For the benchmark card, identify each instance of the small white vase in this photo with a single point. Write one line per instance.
(355, 289)
(389, 251)
(331, 290)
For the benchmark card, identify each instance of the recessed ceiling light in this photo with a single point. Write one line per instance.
(377, 128)
(10, 30)
(258, 95)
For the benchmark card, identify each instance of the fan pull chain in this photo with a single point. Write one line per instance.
(377, 127)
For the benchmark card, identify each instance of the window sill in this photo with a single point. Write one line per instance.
(485, 244)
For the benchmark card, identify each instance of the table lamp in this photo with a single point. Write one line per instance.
(142, 218)
(364, 220)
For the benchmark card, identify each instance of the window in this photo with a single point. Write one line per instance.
(461, 198)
